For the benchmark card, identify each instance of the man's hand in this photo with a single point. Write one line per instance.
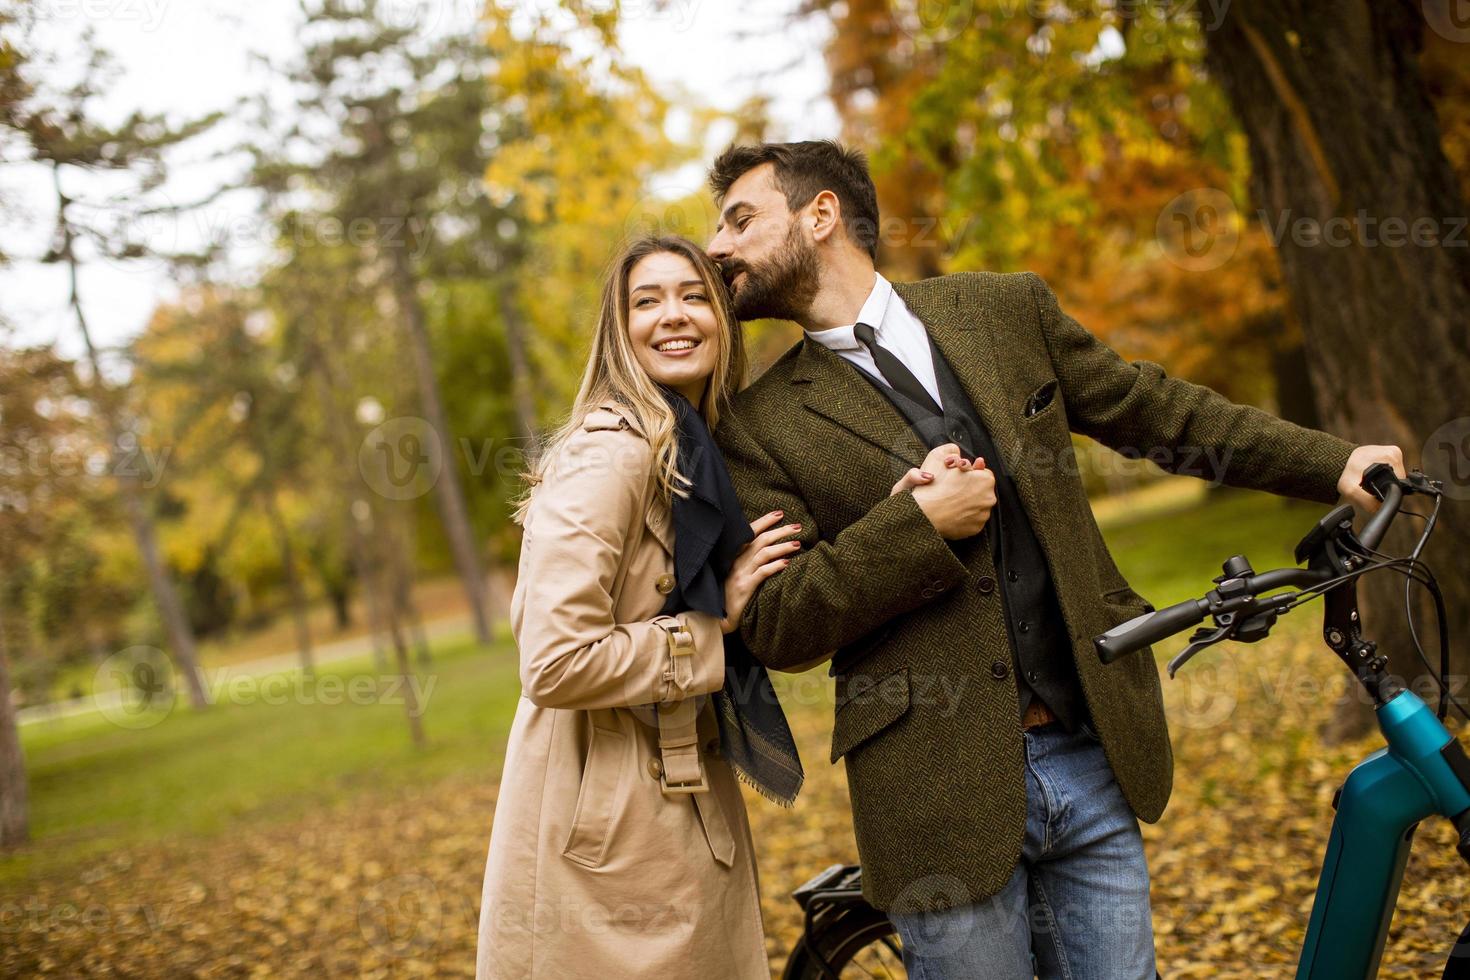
(959, 499)
(1350, 483)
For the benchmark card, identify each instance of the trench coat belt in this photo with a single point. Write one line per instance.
(684, 772)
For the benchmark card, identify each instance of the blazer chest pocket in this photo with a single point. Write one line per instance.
(1040, 399)
(867, 706)
(597, 799)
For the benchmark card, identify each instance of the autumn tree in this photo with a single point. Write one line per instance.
(63, 134)
(371, 114)
(1350, 174)
(222, 393)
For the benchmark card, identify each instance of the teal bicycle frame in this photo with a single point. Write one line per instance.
(1378, 809)
(1423, 770)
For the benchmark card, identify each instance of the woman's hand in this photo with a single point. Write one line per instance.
(913, 478)
(763, 556)
(917, 477)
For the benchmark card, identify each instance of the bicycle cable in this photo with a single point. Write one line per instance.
(1432, 585)
(1425, 576)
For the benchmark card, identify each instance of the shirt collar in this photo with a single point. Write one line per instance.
(875, 307)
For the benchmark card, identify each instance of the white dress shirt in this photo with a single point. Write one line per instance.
(895, 327)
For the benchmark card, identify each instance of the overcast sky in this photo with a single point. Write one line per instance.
(188, 57)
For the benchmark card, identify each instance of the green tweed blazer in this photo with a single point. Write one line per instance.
(926, 703)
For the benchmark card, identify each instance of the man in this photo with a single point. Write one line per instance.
(997, 769)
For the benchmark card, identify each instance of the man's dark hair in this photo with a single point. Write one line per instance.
(804, 170)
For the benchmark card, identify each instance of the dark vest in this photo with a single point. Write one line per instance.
(1040, 647)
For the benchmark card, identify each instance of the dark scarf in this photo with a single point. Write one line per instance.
(709, 530)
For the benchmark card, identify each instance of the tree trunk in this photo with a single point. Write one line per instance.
(371, 594)
(165, 596)
(452, 511)
(14, 808)
(1353, 184)
(1296, 400)
(293, 580)
(361, 554)
(520, 365)
(411, 709)
(397, 583)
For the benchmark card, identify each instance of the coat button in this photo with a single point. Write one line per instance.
(985, 584)
(1023, 626)
(655, 768)
(664, 583)
(1012, 575)
(999, 670)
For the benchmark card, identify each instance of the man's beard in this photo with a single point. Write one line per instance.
(782, 287)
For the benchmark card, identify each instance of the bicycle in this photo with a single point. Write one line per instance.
(1422, 770)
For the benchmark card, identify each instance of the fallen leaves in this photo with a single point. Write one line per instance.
(389, 885)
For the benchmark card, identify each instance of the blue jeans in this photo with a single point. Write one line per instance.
(1076, 906)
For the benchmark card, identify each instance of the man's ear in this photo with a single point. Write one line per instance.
(825, 214)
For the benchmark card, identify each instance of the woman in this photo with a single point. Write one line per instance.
(620, 845)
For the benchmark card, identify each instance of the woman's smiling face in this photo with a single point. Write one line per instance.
(672, 323)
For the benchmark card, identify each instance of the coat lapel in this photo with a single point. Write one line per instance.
(835, 391)
(657, 514)
(970, 340)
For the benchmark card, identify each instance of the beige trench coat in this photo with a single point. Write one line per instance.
(599, 865)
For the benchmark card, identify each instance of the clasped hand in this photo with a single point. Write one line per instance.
(957, 495)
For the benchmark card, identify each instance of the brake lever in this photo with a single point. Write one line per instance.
(1201, 638)
(1228, 626)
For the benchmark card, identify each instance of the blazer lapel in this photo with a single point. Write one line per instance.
(835, 391)
(969, 339)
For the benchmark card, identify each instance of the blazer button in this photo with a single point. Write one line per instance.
(999, 670)
(985, 584)
(655, 768)
(664, 583)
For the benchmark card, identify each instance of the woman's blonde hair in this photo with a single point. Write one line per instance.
(614, 374)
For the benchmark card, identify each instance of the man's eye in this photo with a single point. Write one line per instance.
(742, 223)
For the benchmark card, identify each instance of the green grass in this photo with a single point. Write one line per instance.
(1170, 557)
(95, 786)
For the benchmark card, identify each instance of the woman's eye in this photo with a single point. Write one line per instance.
(643, 302)
(696, 296)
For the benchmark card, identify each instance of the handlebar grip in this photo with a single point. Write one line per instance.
(1149, 628)
(1377, 525)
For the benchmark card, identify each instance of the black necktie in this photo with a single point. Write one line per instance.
(900, 378)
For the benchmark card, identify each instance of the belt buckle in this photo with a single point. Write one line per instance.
(1038, 713)
(671, 789)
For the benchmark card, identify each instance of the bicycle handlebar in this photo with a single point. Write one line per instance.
(1151, 627)
(1377, 525)
(1141, 631)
